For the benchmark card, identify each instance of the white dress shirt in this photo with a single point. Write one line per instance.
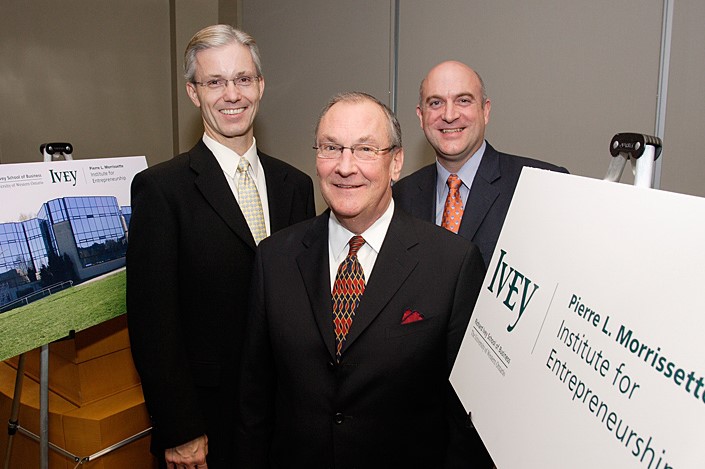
(339, 236)
(228, 161)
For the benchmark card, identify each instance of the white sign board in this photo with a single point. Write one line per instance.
(586, 346)
(26, 186)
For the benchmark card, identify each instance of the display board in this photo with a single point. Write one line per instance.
(585, 347)
(63, 237)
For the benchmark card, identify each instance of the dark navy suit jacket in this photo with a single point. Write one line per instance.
(487, 205)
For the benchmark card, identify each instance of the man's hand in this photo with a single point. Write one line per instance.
(191, 455)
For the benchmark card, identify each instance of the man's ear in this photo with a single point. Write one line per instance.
(191, 91)
(397, 163)
(261, 86)
(486, 109)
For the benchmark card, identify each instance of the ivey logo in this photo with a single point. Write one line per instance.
(63, 176)
(501, 277)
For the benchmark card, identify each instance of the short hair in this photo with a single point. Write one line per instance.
(483, 90)
(393, 128)
(217, 35)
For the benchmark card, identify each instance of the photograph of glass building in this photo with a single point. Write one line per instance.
(71, 240)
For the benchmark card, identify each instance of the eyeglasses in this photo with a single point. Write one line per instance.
(221, 83)
(361, 151)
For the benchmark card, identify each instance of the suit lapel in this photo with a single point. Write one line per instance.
(423, 204)
(482, 194)
(279, 192)
(211, 182)
(314, 268)
(393, 266)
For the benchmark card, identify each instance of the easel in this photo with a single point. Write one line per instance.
(50, 151)
(642, 149)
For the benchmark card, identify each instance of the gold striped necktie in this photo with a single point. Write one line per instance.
(250, 203)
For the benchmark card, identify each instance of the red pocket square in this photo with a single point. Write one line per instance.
(411, 316)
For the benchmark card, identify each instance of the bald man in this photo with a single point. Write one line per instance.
(470, 177)
(470, 186)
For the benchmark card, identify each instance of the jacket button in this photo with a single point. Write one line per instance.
(331, 365)
(339, 418)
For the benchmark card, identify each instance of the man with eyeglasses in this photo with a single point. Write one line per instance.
(196, 222)
(356, 316)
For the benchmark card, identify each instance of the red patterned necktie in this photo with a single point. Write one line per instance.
(347, 289)
(453, 209)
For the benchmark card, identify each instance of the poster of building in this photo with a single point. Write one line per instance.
(62, 224)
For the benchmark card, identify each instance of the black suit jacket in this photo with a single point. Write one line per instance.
(385, 403)
(189, 265)
(488, 202)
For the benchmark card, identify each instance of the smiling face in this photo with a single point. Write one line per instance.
(452, 113)
(228, 114)
(358, 192)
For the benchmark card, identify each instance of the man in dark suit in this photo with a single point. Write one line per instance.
(357, 315)
(453, 111)
(195, 224)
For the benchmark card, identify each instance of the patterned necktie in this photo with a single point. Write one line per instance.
(250, 203)
(453, 209)
(347, 290)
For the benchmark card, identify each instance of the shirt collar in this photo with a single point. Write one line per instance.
(229, 159)
(339, 236)
(466, 174)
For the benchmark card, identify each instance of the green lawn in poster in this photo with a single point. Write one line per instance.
(54, 317)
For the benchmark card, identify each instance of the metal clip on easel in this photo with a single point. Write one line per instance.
(55, 151)
(644, 150)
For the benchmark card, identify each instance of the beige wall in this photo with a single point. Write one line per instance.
(87, 73)
(188, 20)
(683, 168)
(563, 76)
(310, 51)
(97, 74)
